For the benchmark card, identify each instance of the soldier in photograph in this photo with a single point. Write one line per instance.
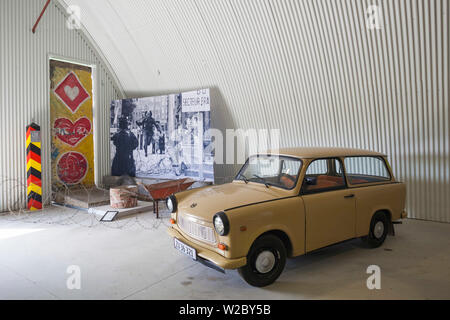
(148, 124)
(125, 142)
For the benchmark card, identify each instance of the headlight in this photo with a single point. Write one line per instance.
(221, 223)
(171, 203)
(218, 224)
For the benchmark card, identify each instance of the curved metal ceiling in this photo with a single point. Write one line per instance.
(311, 68)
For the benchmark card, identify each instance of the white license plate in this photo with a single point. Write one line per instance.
(180, 246)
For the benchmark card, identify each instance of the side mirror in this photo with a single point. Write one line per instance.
(311, 181)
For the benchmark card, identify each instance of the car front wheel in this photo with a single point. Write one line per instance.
(265, 261)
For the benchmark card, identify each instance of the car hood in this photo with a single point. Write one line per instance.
(204, 202)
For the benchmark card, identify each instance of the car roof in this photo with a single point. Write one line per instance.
(323, 152)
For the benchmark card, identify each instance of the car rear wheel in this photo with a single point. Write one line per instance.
(379, 227)
(265, 261)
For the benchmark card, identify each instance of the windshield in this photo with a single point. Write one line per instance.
(278, 171)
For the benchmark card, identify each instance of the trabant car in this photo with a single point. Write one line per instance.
(285, 204)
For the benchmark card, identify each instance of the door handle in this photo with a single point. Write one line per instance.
(349, 196)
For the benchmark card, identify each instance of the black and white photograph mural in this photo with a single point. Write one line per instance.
(163, 137)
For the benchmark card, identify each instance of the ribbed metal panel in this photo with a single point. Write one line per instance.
(24, 89)
(310, 68)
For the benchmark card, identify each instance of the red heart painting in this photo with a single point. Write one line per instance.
(72, 133)
(72, 167)
(71, 92)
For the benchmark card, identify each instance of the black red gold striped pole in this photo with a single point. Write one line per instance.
(34, 169)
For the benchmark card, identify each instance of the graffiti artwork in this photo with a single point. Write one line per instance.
(71, 92)
(71, 117)
(72, 133)
(72, 167)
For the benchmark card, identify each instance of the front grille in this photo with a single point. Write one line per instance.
(196, 230)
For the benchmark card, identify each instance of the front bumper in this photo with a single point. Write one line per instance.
(209, 255)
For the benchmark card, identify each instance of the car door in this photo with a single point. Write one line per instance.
(367, 177)
(330, 207)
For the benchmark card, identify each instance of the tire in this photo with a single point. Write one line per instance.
(379, 227)
(265, 261)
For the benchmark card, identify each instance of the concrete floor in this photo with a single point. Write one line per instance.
(134, 259)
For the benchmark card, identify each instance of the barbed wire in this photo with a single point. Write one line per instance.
(62, 214)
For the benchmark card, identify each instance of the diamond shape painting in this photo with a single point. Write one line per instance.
(71, 92)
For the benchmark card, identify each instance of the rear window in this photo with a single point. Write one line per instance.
(366, 170)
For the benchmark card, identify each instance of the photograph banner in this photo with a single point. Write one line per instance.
(163, 137)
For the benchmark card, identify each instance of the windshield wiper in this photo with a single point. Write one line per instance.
(262, 179)
(243, 178)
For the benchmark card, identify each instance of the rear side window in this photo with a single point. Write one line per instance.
(366, 170)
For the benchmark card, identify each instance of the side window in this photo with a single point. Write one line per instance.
(323, 175)
(366, 170)
(339, 168)
(317, 167)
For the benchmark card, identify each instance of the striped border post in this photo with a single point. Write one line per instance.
(34, 169)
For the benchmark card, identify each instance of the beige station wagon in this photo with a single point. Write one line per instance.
(287, 204)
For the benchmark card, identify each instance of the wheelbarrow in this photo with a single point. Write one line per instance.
(160, 191)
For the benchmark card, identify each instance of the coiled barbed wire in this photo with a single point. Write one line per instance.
(61, 214)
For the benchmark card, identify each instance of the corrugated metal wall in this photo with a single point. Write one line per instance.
(24, 89)
(310, 68)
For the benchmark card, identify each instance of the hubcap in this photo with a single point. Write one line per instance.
(265, 261)
(378, 230)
